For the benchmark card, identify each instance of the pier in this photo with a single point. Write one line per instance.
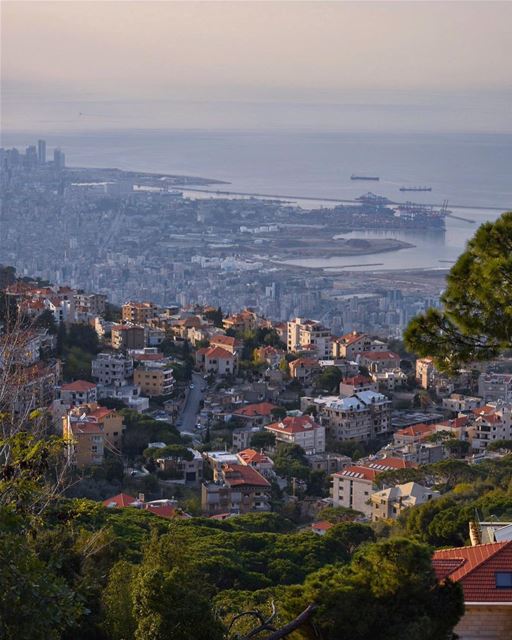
(339, 200)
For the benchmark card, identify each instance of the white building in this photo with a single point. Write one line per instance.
(309, 334)
(365, 415)
(301, 430)
(352, 488)
(112, 368)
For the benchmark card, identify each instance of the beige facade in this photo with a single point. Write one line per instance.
(425, 372)
(139, 312)
(127, 337)
(389, 503)
(309, 334)
(90, 429)
(485, 622)
(154, 379)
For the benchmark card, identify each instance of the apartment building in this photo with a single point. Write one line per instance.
(154, 378)
(303, 369)
(362, 416)
(356, 384)
(353, 344)
(217, 360)
(389, 503)
(493, 422)
(112, 368)
(495, 386)
(426, 373)
(88, 430)
(353, 487)
(90, 304)
(379, 361)
(139, 312)
(240, 489)
(461, 403)
(78, 392)
(311, 335)
(301, 430)
(126, 336)
(257, 460)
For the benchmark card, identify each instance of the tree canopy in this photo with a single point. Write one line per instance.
(475, 320)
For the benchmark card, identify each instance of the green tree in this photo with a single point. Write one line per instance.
(263, 440)
(46, 320)
(475, 321)
(393, 583)
(329, 379)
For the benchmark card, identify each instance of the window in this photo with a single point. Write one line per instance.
(503, 579)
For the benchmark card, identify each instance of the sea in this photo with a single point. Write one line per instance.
(471, 171)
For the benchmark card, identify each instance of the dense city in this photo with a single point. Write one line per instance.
(137, 236)
(185, 383)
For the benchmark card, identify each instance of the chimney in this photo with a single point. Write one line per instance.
(474, 533)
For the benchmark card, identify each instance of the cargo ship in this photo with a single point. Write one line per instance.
(355, 177)
(415, 188)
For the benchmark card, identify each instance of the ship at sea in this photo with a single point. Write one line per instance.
(415, 188)
(355, 177)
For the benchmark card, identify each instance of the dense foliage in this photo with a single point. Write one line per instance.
(113, 574)
(475, 322)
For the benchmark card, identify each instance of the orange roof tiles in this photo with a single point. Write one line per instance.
(355, 471)
(475, 568)
(295, 424)
(421, 430)
(380, 355)
(80, 386)
(220, 340)
(251, 455)
(120, 500)
(239, 474)
(257, 409)
(322, 525)
(219, 353)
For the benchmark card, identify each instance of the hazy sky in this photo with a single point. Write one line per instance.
(341, 65)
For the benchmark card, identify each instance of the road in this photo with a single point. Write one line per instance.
(188, 416)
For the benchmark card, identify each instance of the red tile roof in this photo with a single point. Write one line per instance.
(239, 474)
(355, 471)
(121, 500)
(455, 423)
(380, 355)
(164, 511)
(221, 339)
(100, 412)
(421, 430)
(387, 464)
(484, 410)
(297, 424)
(475, 568)
(80, 386)
(257, 409)
(322, 525)
(350, 338)
(250, 456)
(303, 362)
(219, 353)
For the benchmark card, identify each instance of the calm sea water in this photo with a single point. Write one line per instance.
(473, 170)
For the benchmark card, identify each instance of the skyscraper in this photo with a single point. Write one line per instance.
(59, 159)
(41, 151)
